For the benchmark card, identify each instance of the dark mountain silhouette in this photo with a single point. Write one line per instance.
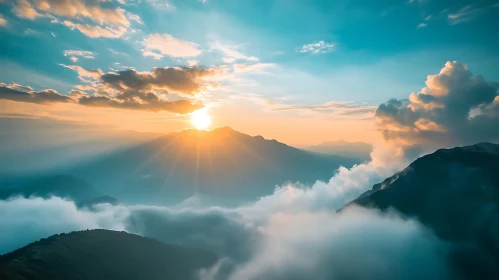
(222, 164)
(455, 192)
(358, 150)
(103, 255)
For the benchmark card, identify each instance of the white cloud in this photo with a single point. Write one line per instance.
(319, 47)
(74, 54)
(355, 244)
(154, 55)
(231, 53)
(168, 45)
(192, 62)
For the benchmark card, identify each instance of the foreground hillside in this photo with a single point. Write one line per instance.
(103, 255)
(455, 192)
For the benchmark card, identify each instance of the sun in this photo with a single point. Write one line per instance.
(200, 119)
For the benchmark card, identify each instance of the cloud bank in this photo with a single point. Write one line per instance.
(161, 89)
(455, 108)
(318, 245)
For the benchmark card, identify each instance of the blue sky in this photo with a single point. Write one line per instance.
(304, 53)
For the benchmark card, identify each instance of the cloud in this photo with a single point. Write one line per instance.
(257, 67)
(19, 93)
(127, 99)
(231, 53)
(74, 54)
(24, 9)
(161, 89)
(186, 80)
(135, 100)
(192, 62)
(337, 109)
(319, 47)
(127, 89)
(3, 22)
(455, 108)
(354, 244)
(107, 20)
(94, 31)
(159, 45)
(464, 14)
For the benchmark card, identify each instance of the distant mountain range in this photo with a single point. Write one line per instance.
(40, 145)
(455, 192)
(225, 165)
(103, 255)
(358, 150)
(62, 186)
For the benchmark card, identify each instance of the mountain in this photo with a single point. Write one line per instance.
(455, 192)
(30, 145)
(358, 150)
(62, 186)
(103, 254)
(223, 164)
(59, 185)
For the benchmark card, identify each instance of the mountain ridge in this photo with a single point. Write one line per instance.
(92, 254)
(223, 163)
(454, 192)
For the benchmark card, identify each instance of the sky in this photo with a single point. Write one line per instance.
(302, 72)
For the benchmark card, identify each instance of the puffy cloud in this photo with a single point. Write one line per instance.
(128, 99)
(159, 45)
(84, 9)
(319, 47)
(354, 244)
(186, 80)
(27, 220)
(455, 108)
(107, 20)
(19, 93)
(128, 89)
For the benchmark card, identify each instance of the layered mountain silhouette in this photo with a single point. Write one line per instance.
(358, 150)
(222, 164)
(455, 192)
(61, 186)
(103, 255)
